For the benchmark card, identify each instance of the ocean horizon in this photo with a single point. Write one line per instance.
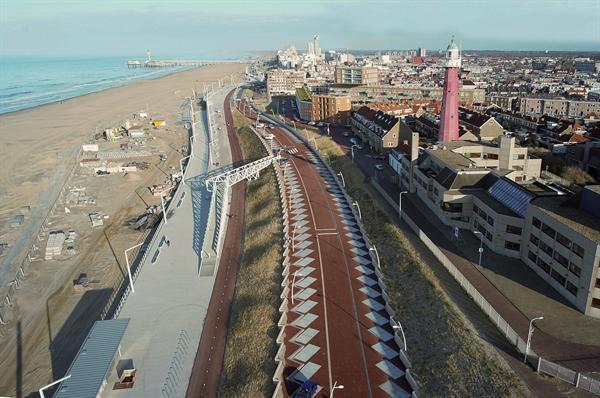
(30, 81)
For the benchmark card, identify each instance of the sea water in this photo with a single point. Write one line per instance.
(28, 81)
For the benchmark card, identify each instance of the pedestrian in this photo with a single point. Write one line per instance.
(168, 243)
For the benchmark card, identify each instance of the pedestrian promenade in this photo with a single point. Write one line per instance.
(169, 305)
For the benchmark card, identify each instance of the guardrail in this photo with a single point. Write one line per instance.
(537, 362)
(279, 378)
(15, 284)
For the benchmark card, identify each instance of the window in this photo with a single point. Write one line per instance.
(436, 192)
(534, 239)
(558, 277)
(536, 223)
(475, 208)
(575, 270)
(482, 214)
(512, 245)
(543, 265)
(562, 260)
(547, 249)
(481, 228)
(578, 250)
(511, 229)
(490, 220)
(492, 156)
(572, 288)
(548, 231)
(488, 235)
(563, 240)
(531, 255)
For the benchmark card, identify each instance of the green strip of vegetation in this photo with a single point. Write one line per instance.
(250, 350)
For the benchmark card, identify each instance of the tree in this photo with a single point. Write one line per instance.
(577, 176)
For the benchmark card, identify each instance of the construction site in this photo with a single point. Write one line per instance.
(67, 265)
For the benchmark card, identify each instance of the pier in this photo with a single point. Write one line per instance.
(172, 63)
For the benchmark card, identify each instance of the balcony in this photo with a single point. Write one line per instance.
(450, 207)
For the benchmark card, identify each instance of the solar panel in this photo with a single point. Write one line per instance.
(511, 196)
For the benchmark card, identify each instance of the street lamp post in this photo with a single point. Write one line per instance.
(291, 194)
(342, 177)
(539, 318)
(293, 283)
(374, 249)
(355, 203)
(399, 327)
(294, 238)
(352, 151)
(400, 203)
(480, 245)
(181, 166)
(335, 387)
(129, 266)
(162, 203)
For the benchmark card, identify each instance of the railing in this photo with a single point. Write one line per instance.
(357, 218)
(570, 376)
(278, 375)
(136, 266)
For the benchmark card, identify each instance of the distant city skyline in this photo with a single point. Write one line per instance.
(233, 27)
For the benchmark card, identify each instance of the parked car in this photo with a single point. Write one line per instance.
(353, 141)
(360, 147)
(311, 123)
(320, 124)
(308, 389)
(379, 167)
(346, 134)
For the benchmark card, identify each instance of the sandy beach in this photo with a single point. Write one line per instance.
(38, 148)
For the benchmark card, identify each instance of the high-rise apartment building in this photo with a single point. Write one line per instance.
(313, 47)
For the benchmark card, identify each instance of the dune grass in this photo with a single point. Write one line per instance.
(250, 350)
(449, 359)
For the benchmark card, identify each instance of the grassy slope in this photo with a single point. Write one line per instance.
(249, 366)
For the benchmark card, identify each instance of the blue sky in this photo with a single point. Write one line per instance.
(190, 27)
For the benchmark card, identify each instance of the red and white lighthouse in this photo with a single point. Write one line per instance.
(449, 117)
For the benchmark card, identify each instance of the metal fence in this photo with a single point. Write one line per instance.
(568, 375)
(8, 291)
(113, 307)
